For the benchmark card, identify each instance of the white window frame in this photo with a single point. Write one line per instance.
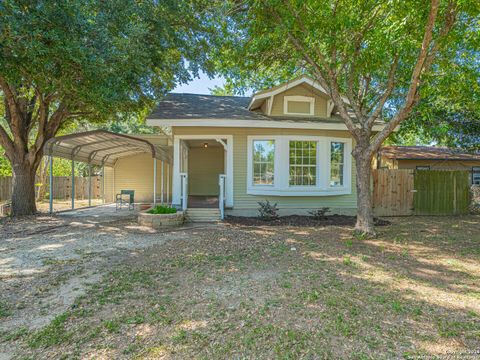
(274, 162)
(345, 156)
(317, 176)
(281, 185)
(310, 100)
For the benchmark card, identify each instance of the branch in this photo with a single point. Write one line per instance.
(386, 94)
(412, 94)
(47, 131)
(333, 87)
(6, 143)
(14, 116)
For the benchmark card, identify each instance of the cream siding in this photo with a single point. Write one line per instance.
(320, 108)
(245, 202)
(136, 173)
(108, 185)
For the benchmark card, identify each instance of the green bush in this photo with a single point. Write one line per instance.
(160, 209)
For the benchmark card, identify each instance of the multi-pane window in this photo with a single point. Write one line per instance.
(263, 162)
(303, 163)
(337, 159)
(476, 175)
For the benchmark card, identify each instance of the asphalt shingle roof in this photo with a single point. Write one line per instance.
(196, 106)
(425, 153)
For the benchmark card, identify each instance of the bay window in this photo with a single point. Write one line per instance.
(289, 165)
(303, 163)
(263, 162)
(337, 151)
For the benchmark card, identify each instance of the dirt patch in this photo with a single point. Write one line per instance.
(260, 292)
(300, 221)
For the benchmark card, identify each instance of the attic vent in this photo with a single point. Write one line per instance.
(298, 105)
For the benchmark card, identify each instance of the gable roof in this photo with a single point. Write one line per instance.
(302, 79)
(232, 111)
(425, 153)
(196, 106)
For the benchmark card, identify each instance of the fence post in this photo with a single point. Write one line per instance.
(455, 193)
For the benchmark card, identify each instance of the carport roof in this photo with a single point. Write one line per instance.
(101, 147)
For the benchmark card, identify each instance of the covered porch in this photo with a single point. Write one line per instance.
(202, 172)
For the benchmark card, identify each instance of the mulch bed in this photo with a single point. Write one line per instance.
(299, 220)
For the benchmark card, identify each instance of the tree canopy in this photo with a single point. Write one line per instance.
(91, 60)
(376, 59)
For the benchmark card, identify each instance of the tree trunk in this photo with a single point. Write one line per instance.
(23, 195)
(42, 179)
(365, 224)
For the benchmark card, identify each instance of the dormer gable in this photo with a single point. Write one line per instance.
(301, 97)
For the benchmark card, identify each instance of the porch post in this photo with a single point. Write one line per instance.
(89, 184)
(154, 181)
(161, 183)
(73, 184)
(50, 175)
(176, 181)
(168, 183)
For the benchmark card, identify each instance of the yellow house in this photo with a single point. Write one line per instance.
(223, 154)
(285, 144)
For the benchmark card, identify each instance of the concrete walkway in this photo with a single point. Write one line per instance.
(101, 213)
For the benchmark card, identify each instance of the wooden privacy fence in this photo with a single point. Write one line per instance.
(403, 192)
(62, 188)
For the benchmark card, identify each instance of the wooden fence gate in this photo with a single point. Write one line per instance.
(441, 192)
(393, 192)
(402, 192)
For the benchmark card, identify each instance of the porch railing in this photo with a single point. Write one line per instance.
(221, 195)
(184, 187)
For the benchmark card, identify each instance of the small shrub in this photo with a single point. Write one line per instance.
(160, 209)
(267, 211)
(319, 214)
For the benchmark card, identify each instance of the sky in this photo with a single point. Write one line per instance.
(200, 85)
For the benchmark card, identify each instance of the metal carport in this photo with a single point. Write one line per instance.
(102, 148)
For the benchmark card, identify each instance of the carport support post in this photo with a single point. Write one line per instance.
(103, 184)
(73, 184)
(154, 181)
(89, 184)
(50, 185)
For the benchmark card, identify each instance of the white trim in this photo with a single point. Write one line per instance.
(308, 99)
(272, 124)
(269, 105)
(228, 170)
(288, 85)
(281, 185)
(330, 106)
(176, 189)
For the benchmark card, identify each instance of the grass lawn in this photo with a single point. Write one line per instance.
(239, 292)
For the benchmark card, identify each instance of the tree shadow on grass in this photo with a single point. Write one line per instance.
(314, 293)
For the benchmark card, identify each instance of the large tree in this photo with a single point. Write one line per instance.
(373, 57)
(62, 61)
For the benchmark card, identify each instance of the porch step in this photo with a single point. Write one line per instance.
(202, 215)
